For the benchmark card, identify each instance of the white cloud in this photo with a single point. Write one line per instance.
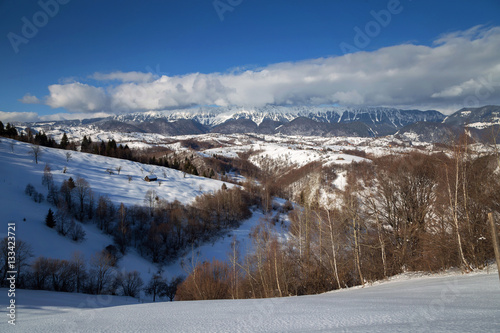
(77, 97)
(30, 99)
(73, 116)
(459, 69)
(124, 76)
(7, 117)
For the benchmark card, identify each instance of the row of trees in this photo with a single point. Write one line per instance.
(160, 230)
(8, 130)
(147, 156)
(39, 138)
(398, 213)
(110, 149)
(98, 275)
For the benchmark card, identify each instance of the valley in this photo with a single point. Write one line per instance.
(242, 215)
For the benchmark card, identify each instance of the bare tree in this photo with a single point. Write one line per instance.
(351, 211)
(36, 152)
(78, 266)
(170, 289)
(122, 229)
(63, 219)
(41, 272)
(332, 232)
(130, 283)
(82, 191)
(101, 272)
(155, 286)
(76, 231)
(23, 253)
(235, 276)
(151, 199)
(47, 178)
(453, 196)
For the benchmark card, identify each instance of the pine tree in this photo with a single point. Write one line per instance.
(64, 141)
(10, 131)
(85, 144)
(50, 220)
(71, 183)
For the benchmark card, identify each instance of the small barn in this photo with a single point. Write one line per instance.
(150, 178)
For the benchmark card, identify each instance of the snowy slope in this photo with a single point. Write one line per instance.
(17, 169)
(453, 303)
(298, 154)
(221, 249)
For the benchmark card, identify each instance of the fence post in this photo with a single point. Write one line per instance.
(494, 237)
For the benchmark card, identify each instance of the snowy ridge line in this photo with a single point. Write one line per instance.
(212, 116)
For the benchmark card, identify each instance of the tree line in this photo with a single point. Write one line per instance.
(97, 275)
(160, 231)
(111, 148)
(399, 213)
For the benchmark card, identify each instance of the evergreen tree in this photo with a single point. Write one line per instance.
(71, 183)
(111, 148)
(50, 220)
(64, 141)
(41, 139)
(85, 144)
(11, 131)
(102, 148)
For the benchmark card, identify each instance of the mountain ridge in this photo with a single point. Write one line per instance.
(301, 120)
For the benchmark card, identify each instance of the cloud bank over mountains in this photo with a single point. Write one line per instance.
(460, 69)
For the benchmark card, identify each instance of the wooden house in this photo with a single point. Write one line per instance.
(151, 178)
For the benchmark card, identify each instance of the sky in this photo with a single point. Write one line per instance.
(67, 59)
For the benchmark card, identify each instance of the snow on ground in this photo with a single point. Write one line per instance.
(341, 181)
(298, 150)
(17, 169)
(291, 154)
(221, 249)
(450, 303)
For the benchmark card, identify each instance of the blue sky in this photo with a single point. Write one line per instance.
(87, 58)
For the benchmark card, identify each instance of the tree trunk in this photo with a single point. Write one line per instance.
(334, 252)
(356, 251)
(454, 206)
(276, 271)
(496, 244)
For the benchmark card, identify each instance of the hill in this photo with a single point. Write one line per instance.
(449, 303)
(18, 169)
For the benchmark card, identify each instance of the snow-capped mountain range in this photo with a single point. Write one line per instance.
(215, 116)
(326, 121)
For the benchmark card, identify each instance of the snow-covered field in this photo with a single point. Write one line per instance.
(438, 303)
(17, 169)
(297, 150)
